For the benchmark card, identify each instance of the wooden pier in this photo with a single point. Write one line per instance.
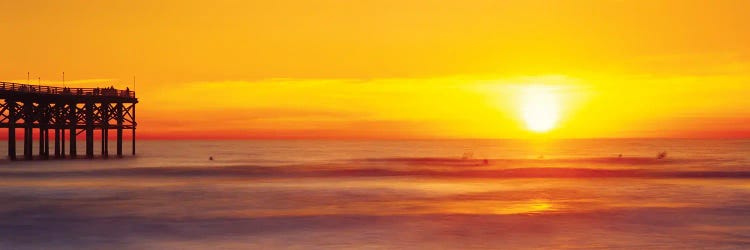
(70, 111)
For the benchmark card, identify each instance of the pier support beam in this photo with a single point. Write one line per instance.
(11, 129)
(62, 141)
(133, 130)
(27, 143)
(43, 142)
(57, 142)
(89, 109)
(73, 120)
(42, 118)
(28, 122)
(104, 114)
(120, 119)
(46, 142)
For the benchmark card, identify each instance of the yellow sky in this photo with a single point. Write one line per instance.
(397, 69)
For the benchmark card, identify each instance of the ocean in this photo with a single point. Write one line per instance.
(399, 194)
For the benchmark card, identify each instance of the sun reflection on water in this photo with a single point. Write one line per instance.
(533, 206)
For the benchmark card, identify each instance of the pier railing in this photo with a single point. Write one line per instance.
(41, 89)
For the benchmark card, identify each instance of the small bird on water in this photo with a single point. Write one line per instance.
(210, 158)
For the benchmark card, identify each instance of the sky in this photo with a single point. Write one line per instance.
(398, 69)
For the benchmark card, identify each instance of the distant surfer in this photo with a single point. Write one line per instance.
(210, 158)
(619, 156)
(662, 155)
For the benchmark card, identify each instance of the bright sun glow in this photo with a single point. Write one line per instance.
(539, 108)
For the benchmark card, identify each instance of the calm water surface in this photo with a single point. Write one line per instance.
(432, 194)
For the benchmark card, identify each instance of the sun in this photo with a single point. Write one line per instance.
(540, 108)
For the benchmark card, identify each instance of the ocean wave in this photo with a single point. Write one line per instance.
(343, 171)
(437, 161)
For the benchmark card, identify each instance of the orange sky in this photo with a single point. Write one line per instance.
(397, 69)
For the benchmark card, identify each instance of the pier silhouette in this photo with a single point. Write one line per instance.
(65, 110)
